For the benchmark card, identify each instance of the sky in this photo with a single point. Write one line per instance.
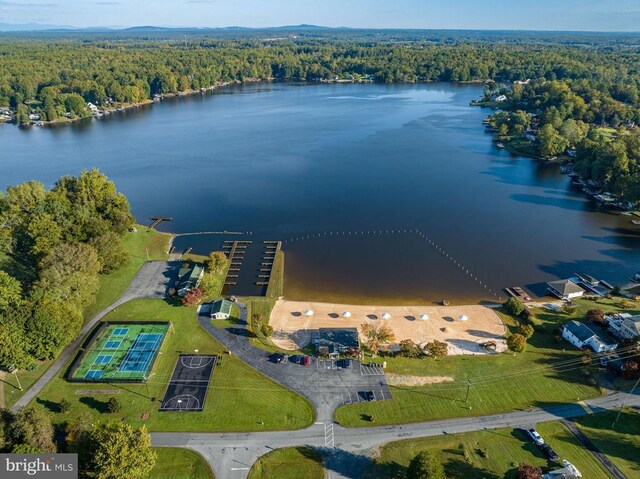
(585, 15)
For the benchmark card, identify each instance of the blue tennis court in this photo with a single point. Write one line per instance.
(112, 344)
(103, 359)
(141, 352)
(120, 332)
(93, 374)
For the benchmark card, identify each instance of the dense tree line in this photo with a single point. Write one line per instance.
(57, 243)
(56, 77)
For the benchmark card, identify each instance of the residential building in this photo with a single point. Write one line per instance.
(565, 289)
(581, 336)
(221, 309)
(501, 98)
(336, 341)
(625, 328)
(569, 471)
(189, 277)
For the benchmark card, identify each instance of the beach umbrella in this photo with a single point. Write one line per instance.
(308, 312)
(346, 314)
(385, 316)
(463, 317)
(424, 317)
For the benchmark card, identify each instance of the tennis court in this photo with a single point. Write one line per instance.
(120, 353)
(189, 383)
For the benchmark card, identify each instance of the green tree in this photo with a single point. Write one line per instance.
(551, 142)
(32, 426)
(517, 343)
(111, 251)
(436, 349)
(13, 344)
(42, 234)
(52, 325)
(70, 273)
(26, 449)
(64, 406)
(526, 330)
(426, 465)
(115, 450)
(513, 306)
(409, 349)
(22, 114)
(217, 261)
(10, 291)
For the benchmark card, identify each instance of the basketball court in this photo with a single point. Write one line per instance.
(187, 389)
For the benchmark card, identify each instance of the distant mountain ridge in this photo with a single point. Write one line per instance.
(33, 27)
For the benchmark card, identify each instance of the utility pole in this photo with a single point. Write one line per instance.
(14, 370)
(623, 403)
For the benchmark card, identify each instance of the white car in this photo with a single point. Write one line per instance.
(535, 437)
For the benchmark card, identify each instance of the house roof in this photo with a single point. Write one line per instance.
(579, 330)
(221, 306)
(189, 275)
(565, 286)
(336, 339)
(632, 323)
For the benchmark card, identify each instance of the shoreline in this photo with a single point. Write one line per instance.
(121, 107)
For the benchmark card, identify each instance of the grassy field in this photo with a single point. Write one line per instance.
(178, 463)
(289, 463)
(529, 378)
(111, 287)
(138, 244)
(235, 387)
(620, 444)
(486, 454)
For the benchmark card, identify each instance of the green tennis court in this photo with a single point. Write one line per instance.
(120, 352)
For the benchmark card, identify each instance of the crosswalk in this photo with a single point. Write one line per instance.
(328, 435)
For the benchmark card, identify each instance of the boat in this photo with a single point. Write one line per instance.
(500, 145)
(636, 222)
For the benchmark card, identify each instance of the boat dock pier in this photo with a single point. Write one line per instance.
(157, 220)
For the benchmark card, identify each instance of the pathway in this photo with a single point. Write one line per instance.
(592, 448)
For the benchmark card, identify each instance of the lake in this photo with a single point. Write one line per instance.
(361, 181)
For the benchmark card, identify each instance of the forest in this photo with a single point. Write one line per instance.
(58, 241)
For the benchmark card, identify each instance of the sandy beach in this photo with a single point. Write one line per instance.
(292, 329)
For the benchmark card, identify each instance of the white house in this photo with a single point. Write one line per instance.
(627, 327)
(94, 109)
(565, 289)
(501, 98)
(569, 471)
(221, 309)
(581, 336)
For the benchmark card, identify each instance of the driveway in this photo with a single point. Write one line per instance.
(322, 382)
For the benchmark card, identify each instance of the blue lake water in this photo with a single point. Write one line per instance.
(340, 172)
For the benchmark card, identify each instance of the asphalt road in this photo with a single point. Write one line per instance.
(231, 455)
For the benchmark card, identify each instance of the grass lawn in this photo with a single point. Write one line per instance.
(289, 463)
(620, 444)
(111, 287)
(486, 454)
(239, 397)
(178, 463)
(500, 383)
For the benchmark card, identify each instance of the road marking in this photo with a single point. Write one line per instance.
(239, 468)
(318, 423)
(328, 435)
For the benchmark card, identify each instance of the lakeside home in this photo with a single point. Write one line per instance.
(221, 309)
(565, 289)
(581, 336)
(189, 277)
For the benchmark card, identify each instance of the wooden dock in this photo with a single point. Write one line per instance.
(157, 220)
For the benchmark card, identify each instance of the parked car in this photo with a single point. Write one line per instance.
(549, 452)
(370, 396)
(295, 359)
(306, 360)
(277, 358)
(535, 437)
